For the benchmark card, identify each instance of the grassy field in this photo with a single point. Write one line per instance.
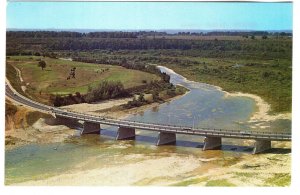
(53, 79)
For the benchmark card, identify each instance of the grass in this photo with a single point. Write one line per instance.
(53, 79)
(279, 179)
(219, 183)
(244, 176)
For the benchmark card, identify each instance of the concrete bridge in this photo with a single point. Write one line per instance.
(166, 133)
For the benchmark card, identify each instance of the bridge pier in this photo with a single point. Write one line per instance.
(90, 128)
(125, 133)
(261, 146)
(166, 138)
(212, 143)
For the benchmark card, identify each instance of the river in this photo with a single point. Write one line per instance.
(101, 160)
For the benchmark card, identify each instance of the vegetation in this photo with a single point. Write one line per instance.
(267, 74)
(54, 79)
(219, 182)
(159, 92)
(58, 86)
(279, 179)
(106, 90)
(12, 76)
(252, 62)
(42, 64)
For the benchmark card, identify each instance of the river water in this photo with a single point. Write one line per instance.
(203, 106)
(209, 107)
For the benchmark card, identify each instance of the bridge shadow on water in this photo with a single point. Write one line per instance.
(112, 134)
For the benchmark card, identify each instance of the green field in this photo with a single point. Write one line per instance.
(53, 79)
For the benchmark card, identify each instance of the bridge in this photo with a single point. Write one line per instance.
(166, 133)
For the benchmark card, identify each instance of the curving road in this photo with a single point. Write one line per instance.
(257, 135)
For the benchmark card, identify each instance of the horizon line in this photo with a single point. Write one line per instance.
(158, 29)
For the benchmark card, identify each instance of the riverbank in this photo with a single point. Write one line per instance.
(263, 109)
(263, 78)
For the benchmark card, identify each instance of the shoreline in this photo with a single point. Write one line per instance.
(262, 107)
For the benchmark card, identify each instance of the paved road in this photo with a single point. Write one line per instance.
(11, 93)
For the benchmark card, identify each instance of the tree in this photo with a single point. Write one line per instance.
(42, 64)
(264, 37)
(141, 97)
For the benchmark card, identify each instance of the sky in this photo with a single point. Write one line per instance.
(150, 15)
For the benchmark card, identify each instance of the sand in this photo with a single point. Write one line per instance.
(128, 174)
(96, 108)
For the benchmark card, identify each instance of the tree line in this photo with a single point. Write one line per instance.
(17, 46)
(136, 34)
